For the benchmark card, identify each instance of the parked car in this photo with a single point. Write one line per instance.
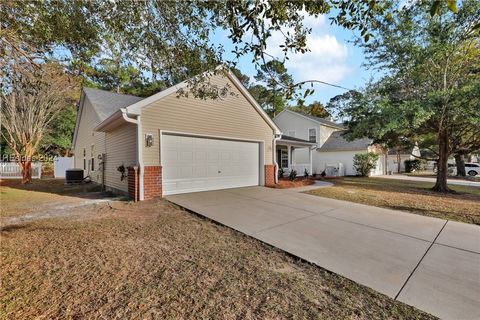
(472, 169)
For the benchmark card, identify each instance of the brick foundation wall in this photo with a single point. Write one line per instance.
(152, 182)
(269, 175)
(133, 185)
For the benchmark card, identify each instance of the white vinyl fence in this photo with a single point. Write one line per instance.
(60, 165)
(11, 170)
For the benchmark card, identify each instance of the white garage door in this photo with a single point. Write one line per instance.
(191, 164)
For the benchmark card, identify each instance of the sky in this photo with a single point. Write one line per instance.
(333, 58)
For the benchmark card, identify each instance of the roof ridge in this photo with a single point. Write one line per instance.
(317, 119)
(111, 92)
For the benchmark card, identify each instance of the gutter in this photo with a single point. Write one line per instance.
(137, 122)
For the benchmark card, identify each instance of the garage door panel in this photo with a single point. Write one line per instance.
(195, 164)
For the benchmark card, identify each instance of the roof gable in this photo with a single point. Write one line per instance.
(318, 120)
(138, 106)
(103, 103)
(337, 142)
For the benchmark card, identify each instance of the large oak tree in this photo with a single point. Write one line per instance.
(430, 87)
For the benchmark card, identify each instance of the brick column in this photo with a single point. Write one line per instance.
(133, 186)
(152, 182)
(269, 175)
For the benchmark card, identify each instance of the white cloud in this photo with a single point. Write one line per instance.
(327, 59)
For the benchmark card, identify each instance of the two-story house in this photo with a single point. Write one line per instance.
(324, 149)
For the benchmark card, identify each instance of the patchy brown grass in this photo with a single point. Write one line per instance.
(17, 199)
(154, 260)
(412, 196)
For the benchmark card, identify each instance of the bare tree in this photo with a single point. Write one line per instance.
(32, 94)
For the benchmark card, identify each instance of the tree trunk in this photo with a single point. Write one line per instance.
(26, 170)
(442, 163)
(460, 163)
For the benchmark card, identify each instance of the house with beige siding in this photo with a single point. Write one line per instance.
(170, 143)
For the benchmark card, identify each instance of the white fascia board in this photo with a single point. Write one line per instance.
(136, 108)
(111, 119)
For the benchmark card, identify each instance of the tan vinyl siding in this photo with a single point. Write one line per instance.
(232, 116)
(85, 138)
(121, 149)
(325, 133)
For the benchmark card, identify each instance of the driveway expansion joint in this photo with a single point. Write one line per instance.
(457, 248)
(420, 261)
(292, 221)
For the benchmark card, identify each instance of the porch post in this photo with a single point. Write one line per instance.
(289, 148)
(310, 157)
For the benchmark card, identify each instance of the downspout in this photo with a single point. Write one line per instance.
(137, 122)
(277, 137)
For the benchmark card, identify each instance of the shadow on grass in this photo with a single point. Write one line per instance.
(58, 186)
(12, 227)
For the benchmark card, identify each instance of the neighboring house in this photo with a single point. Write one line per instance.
(393, 158)
(336, 155)
(330, 151)
(171, 144)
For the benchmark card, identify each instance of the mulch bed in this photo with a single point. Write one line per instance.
(300, 182)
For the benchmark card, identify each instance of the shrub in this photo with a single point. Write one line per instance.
(365, 162)
(413, 165)
(281, 173)
(306, 174)
(292, 175)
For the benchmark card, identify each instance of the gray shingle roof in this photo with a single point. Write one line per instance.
(337, 142)
(323, 121)
(106, 103)
(285, 137)
(393, 151)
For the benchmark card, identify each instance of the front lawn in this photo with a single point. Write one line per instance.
(429, 174)
(154, 260)
(17, 199)
(411, 196)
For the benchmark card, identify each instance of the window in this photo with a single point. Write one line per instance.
(284, 158)
(291, 133)
(472, 165)
(312, 135)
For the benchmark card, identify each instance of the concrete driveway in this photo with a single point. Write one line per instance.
(430, 263)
